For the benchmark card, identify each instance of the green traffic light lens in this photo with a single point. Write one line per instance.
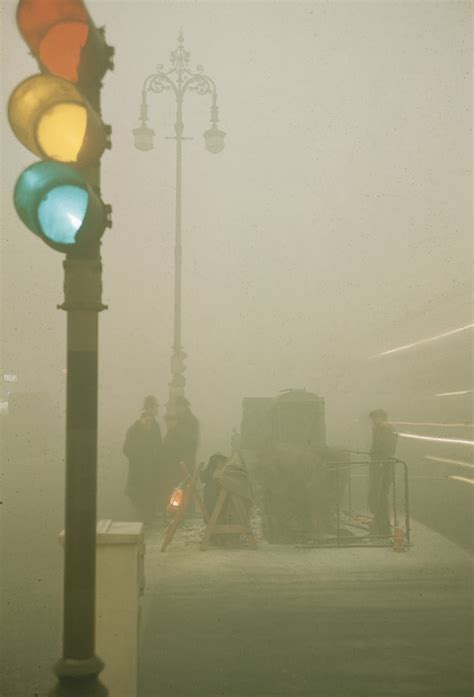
(61, 213)
(57, 204)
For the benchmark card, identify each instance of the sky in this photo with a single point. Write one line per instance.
(335, 224)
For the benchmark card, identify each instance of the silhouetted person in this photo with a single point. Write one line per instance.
(181, 440)
(144, 449)
(212, 487)
(180, 444)
(384, 443)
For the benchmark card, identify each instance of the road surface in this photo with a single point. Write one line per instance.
(282, 621)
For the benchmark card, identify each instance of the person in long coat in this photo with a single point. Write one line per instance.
(212, 487)
(382, 452)
(181, 441)
(144, 449)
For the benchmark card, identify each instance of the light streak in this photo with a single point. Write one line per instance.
(466, 480)
(459, 463)
(424, 341)
(452, 394)
(430, 423)
(438, 440)
(74, 220)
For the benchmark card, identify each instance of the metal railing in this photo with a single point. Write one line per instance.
(344, 473)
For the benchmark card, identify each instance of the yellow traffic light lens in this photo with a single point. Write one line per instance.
(61, 131)
(52, 119)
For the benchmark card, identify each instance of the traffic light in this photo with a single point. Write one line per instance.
(56, 115)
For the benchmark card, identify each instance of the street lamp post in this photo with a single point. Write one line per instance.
(178, 78)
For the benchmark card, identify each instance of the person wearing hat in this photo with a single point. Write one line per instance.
(144, 450)
(182, 436)
(180, 443)
(382, 451)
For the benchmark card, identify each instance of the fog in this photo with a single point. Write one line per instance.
(339, 208)
(334, 226)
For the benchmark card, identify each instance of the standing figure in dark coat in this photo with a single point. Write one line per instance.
(384, 443)
(181, 441)
(212, 488)
(144, 449)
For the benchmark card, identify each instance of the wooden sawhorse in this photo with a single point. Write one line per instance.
(242, 527)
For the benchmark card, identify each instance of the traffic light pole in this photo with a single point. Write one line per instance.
(79, 667)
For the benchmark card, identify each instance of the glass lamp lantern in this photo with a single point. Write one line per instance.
(214, 139)
(143, 138)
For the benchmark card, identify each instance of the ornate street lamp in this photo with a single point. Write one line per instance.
(178, 78)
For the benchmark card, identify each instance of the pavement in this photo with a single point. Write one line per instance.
(288, 622)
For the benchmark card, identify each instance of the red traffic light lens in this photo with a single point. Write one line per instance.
(61, 36)
(56, 32)
(60, 50)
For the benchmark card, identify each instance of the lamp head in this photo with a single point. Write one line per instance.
(143, 138)
(214, 139)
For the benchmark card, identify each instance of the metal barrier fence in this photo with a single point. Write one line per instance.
(344, 472)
